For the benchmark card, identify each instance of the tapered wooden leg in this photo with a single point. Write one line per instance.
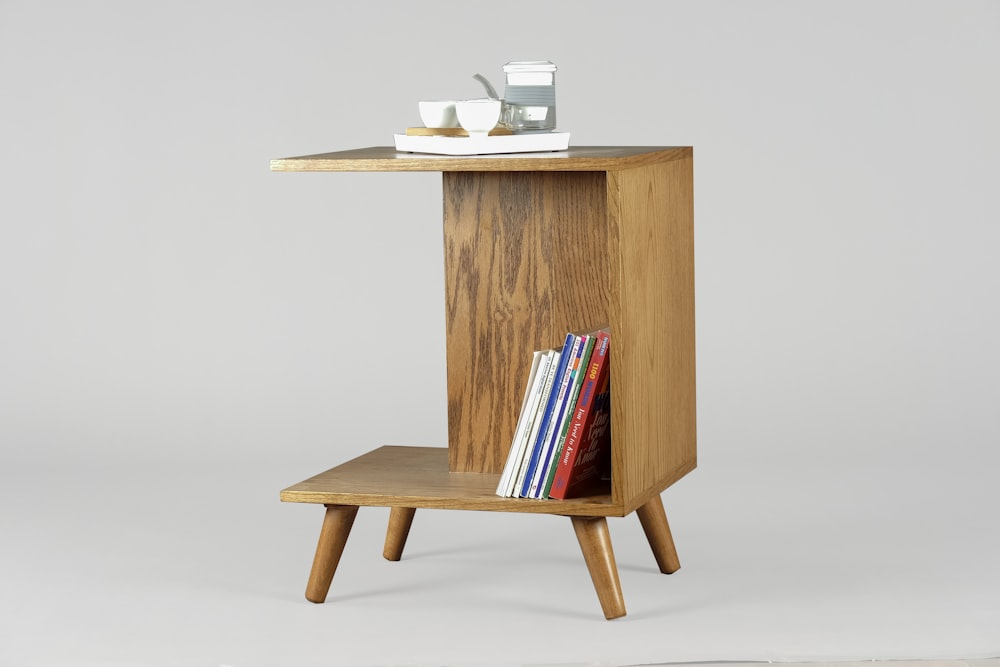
(400, 519)
(595, 541)
(654, 523)
(332, 537)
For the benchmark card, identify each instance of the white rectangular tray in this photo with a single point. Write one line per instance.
(510, 143)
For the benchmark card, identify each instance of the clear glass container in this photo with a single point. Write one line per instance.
(529, 98)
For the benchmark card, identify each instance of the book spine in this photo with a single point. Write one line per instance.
(594, 382)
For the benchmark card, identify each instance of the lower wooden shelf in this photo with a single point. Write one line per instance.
(418, 477)
(408, 478)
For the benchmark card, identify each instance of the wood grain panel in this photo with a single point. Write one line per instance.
(525, 262)
(578, 221)
(651, 244)
(497, 298)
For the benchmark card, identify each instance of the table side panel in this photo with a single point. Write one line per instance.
(497, 298)
(651, 245)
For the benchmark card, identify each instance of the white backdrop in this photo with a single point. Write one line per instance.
(168, 307)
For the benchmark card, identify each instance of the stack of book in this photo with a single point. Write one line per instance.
(561, 446)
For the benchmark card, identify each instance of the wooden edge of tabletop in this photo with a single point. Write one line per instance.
(480, 504)
(576, 158)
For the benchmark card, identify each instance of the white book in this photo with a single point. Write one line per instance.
(543, 399)
(519, 431)
(530, 413)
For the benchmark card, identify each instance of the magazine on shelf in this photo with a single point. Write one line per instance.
(574, 398)
(585, 458)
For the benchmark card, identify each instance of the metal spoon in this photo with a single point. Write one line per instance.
(490, 91)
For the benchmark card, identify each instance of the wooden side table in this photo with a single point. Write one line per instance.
(537, 245)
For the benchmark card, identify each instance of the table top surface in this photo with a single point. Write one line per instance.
(576, 158)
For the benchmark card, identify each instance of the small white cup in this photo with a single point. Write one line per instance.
(438, 113)
(478, 117)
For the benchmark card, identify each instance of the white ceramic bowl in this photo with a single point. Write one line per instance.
(438, 113)
(478, 117)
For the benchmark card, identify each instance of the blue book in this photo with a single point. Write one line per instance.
(546, 416)
(564, 386)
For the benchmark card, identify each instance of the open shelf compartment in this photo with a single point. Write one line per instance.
(418, 477)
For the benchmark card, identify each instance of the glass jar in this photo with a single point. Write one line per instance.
(529, 96)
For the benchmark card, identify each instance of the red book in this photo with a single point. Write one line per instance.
(586, 454)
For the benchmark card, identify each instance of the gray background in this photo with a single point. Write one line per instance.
(184, 333)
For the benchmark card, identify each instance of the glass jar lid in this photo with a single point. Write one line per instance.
(529, 66)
